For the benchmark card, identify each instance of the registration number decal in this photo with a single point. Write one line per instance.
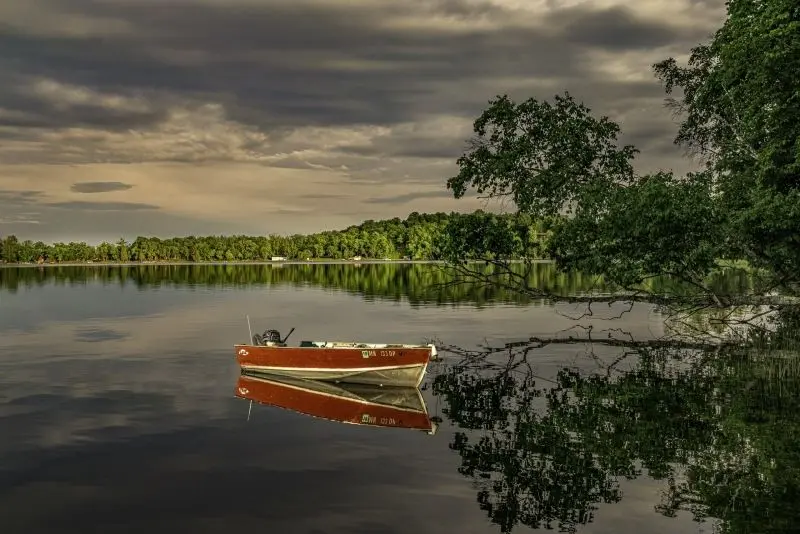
(382, 353)
(368, 419)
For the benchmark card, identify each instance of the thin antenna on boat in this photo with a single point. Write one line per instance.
(250, 330)
(249, 409)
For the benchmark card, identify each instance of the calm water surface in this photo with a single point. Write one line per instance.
(118, 414)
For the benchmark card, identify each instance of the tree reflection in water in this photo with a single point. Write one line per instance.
(719, 427)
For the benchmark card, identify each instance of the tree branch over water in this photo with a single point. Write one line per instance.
(533, 343)
(558, 163)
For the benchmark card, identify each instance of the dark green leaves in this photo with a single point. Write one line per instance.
(545, 157)
(741, 106)
(481, 235)
(659, 225)
(739, 96)
(558, 163)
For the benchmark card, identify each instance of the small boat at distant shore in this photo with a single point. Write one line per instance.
(382, 364)
(357, 404)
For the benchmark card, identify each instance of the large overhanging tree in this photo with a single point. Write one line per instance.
(740, 106)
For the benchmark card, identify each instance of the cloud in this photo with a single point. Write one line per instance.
(99, 187)
(18, 219)
(103, 206)
(20, 197)
(408, 197)
(275, 67)
(209, 199)
(47, 103)
(324, 196)
(615, 28)
(365, 92)
(18, 208)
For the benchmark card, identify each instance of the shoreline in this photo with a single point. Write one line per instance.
(238, 263)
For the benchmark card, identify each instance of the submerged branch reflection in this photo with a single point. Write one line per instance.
(719, 427)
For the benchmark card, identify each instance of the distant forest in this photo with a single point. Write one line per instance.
(419, 237)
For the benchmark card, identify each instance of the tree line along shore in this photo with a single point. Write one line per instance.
(577, 196)
(419, 237)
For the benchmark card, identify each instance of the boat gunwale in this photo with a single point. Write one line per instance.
(359, 346)
(389, 366)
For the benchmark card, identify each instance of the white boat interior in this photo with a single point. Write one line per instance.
(358, 345)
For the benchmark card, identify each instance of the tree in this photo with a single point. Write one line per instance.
(545, 157)
(558, 163)
(419, 234)
(742, 112)
(123, 251)
(6, 246)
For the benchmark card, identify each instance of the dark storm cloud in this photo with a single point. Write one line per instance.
(102, 206)
(279, 65)
(41, 113)
(408, 197)
(33, 109)
(616, 28)
(99, 187)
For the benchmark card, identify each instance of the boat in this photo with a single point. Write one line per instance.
(383, 364)
(357, 404)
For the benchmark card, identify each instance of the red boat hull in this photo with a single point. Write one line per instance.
(398, 366)
(369, 405)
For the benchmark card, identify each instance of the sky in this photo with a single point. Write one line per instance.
(121, 118)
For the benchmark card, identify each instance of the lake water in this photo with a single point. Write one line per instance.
(118, 414)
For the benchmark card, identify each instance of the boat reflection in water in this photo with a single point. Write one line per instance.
(357, 404)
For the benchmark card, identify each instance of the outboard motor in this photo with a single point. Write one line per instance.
(270, 337)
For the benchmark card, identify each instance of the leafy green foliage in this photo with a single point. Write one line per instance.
(8, 248)
(742, 113)
(545, 157)
(658, 225)
(624, 227)
(482, 235)
(419, 237)
(768, 234)
(741, 109)
(740, 94)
